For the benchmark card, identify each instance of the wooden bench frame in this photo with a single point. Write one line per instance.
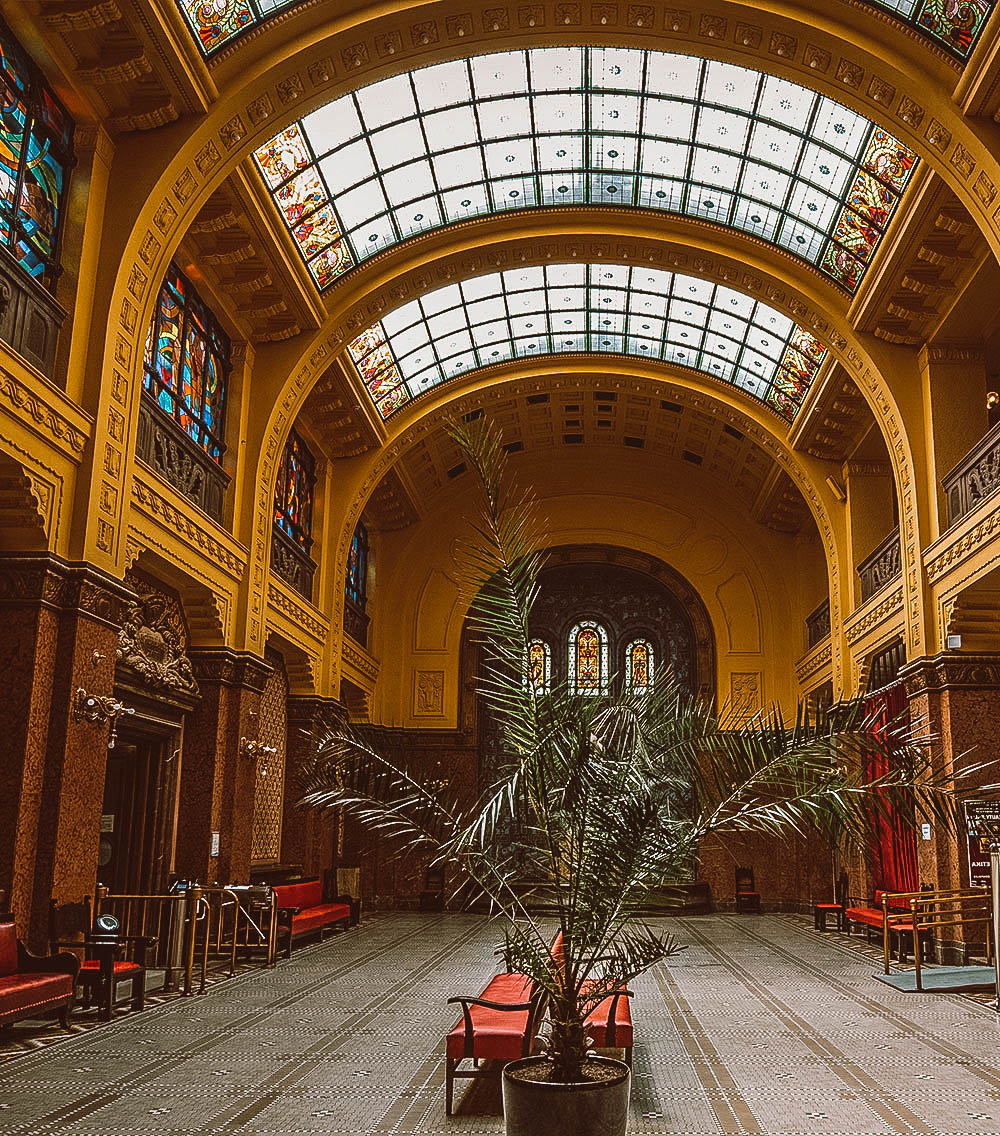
(536, 1007)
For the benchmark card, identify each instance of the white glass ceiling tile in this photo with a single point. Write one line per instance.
(446, 84)
(459, 364)
(614, 112)
(840, 128)
(347, 167)
(826, 169)
(469, 201)
(774, 145)
(499, 74)
(496, 353)
(759, 220)
(611, 188)
(395, 145)
(728, 85)
(802, 239)
(717, 366)
(410, 339)
(722, 129)
(558, 113)
(336, 123)
(567, 299)
(448, 298)
(373, 236)
(487, 334)
(819, 208)
(685, 335)
(521, 279)
(716, 168)
(671, 119)
(409, 315)
(486, 310)
(664, 159)
(556, 68)
(532, 345)
(446, 129)
(453, 344)
(660, 193)
(505, 118)
(613, 152)
(617, 68)
(459, 167)
(785, 102)
(566, 323)
(669, 74)
(709, 202)
(765, 183)
(388, 100)
(528, 325)
(734, 303)
(646, 327)
(409, 182)
(512, 156)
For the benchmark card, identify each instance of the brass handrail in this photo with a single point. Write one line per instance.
(949, 907)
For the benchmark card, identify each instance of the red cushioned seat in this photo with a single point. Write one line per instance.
(22, 992)
(306, 894)
(315, 917)
(598, 1022)
(498, 1034)
(864, 915)
(121, 966)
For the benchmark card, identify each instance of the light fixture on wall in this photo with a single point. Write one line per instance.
(256, 750)
(100, 708)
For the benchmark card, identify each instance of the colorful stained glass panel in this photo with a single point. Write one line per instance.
(639, 665)
(588, 658)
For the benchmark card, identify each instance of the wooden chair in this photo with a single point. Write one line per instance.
(747, 896)
(822, 910)
(432, 893)
(109, 958)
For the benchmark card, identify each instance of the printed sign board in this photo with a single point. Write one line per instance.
(982, 819)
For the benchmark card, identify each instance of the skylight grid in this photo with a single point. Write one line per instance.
(586, 126)
(574, 308)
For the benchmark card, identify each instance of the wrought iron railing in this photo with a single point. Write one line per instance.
(818, 624)
(291, 563)
(166, 449)
(881, 567)
(975, 477)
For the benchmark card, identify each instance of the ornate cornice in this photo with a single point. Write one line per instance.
(951, 353)
(867, 469)
(311, 711)
(32, 407)
(814, 661)
(865, 618)
(359, 658)
(282, 600)
(230, 668)
(950, 670)
(190, 527)
(51, 582)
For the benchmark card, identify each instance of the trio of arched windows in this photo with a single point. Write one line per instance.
(588, 668)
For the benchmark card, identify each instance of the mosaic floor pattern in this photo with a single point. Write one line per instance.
(762, 1026)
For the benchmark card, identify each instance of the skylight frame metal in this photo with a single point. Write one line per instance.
(864, 178)
(488, 319)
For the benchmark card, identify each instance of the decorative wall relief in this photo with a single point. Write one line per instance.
(428, 693)
(152, 642)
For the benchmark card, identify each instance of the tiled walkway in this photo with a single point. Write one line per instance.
(761, 1026)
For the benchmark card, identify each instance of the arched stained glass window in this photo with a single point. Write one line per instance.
(604, 126)
(36, 152)
(540, 666)
(588, 658)
(293, 492)
(356, 583)
(639, 665)
(187, 363)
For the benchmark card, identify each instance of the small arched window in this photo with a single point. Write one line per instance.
(539, 666)
(588, 658)
(639, 665)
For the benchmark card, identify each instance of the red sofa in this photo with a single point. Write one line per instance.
(301, 910)
(33, 985)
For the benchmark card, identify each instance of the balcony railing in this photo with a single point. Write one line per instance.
(356, 622)
(292, 564)
(975, 477)
(30, 318)
(881, 567)
(818, 624)
(164, 446)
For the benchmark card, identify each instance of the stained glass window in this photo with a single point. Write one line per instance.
(293, 491)
(356, 585)
(539, 666)
(646, 312)
(216, 22)
(955, 24)
(597, 126)
(588, 658)
(36, 151)
(187, 363)
(639, 665)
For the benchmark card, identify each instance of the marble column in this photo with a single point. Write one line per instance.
(309, 839)
(60, 630)
(217, 776)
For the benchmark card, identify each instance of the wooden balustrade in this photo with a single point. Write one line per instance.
(882, 567)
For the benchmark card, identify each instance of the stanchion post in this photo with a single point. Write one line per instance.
(192, 898)
(995, 889)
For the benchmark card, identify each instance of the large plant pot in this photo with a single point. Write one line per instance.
(585, 1108)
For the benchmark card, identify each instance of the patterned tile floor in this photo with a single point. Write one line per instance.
(762, 1026)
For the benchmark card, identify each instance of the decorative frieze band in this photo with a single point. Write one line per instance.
(950, 670)
(856, 628)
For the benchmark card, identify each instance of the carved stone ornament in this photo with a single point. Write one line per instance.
(149, 645)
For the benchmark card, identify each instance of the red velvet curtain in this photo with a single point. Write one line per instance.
(893, 855)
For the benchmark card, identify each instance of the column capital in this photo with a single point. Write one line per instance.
(52, 582)
(230, 668)
(951, 670)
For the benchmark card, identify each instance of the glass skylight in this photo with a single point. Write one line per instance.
(526, 312)
(597, 126)
(955, 26)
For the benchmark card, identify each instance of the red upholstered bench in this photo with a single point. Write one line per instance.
(32, 985)
(301, 910)
(609, 1022)
(499, 1025)
(874, 917)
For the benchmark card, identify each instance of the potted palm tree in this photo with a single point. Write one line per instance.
(598, 799)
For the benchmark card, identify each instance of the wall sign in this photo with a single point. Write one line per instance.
(981, 818)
